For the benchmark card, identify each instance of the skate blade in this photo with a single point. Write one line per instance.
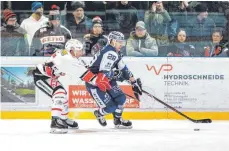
(123, 127)
(73, 128)
(58, 131)
(102, 124)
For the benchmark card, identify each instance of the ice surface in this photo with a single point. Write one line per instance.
(151, 135)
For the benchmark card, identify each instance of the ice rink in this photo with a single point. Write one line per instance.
(151, 135)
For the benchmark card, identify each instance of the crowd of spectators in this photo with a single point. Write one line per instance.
(151, 29)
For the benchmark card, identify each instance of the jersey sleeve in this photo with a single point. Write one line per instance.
(126, 73)
(56, 61)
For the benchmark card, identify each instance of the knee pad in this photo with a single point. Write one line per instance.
(59, 95)
(60, 103)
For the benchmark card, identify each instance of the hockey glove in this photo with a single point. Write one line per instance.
(117, 75)
(102, 82)
(137, 87)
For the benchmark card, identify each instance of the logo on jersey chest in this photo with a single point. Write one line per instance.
(49, 39)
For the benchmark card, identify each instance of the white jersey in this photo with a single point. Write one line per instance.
(59, 64)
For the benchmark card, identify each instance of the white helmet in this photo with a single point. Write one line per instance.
(115, 35)
(74, 45)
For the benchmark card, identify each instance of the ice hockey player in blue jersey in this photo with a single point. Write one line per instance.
(101, 81)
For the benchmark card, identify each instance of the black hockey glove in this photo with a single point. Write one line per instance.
(137, 87)
(118, 76)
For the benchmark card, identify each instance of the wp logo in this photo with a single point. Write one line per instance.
(157, 70)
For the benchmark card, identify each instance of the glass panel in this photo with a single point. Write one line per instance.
(165, 29)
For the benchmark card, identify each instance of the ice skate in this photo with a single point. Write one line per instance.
(122, 124)
(71, 124)
(58, 126)
(100, 118)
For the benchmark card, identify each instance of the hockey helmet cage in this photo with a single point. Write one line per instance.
(115, 35)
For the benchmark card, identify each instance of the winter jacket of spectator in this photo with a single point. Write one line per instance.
(200, 31)
(13, 42)
(79, 30)
(174, 6)
(199, 47)
(157, 24)
(181, 50)
(180, 14)
(127, 17)
(226, 33)
(122, 18)
(145, 46)
(217, 50)
(47, 39)
(94, 43)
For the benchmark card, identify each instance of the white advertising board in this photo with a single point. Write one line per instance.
(188, 84)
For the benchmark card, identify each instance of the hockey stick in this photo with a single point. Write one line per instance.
(131, 97)
(175, 110)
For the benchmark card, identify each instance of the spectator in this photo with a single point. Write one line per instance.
(200, 28)
(127, 17)
(180, 10)
(141, 43)
(225, 8)
(52, 36)
(122, 18)
(216, 46)
(79, 24)
(35, 21)
(180, 48)
(13, 42)
(227, 31)
(157, 20)
(96, 6)
(181, 6)
(96, 40)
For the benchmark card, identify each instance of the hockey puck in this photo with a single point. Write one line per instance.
(196, 129)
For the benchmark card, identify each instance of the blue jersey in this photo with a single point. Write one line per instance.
(106, 60)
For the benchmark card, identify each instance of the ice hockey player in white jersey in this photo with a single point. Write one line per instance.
(101, 81)
(46, 79)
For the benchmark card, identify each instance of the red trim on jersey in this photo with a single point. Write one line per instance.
(65, 114)
(53, 83)
(88, 76)
(58, 93)
(66, 102)
(56, 109)
(48, 70)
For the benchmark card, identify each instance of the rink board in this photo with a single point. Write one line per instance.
(196, 86)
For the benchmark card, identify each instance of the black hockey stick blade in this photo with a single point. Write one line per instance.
(203, 121)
